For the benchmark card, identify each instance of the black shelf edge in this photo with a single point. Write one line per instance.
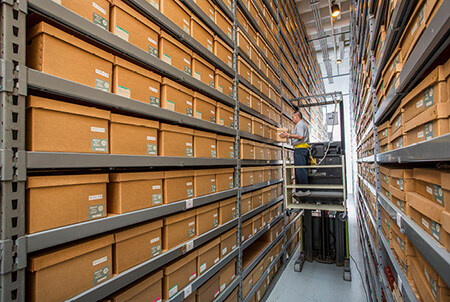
(274, 282)
(252, 239)
(269, 8)
(260, 209)
(260, 162)
(224, 8)
(367, 159)
(260, 185)
(254, 137)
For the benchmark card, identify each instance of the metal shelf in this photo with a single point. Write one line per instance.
(288, 243)
(258, 92)
(435, 149)
(435, 254)
(59, 160)
(255, 113)
(367, 159)
(260, 209)
(432, 43)
(381, 7)
(269, 8)
(224, 8)
(118, 45)
(45, 239)
(369, 185)
(373, 270)
(44, 82)
(366, 207)
(260, 185)
(274, 283)
(254, 137)
(260, 162)
(127, 277)
(252, 239)
(229, 289)
(369, 236)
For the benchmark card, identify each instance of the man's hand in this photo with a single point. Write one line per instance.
(284, 134)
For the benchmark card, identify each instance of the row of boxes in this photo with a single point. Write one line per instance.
(252, 200)
(55, 201)
(256, 126)
(260, 105)
(254, 150)
(255, 175)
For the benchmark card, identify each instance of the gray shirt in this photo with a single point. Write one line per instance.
(300, 129)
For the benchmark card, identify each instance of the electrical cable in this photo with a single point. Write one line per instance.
(329, 139)
(362, 279)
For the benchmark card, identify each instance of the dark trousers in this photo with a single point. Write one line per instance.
(301, 156)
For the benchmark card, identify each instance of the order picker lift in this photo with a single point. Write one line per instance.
(325, 225)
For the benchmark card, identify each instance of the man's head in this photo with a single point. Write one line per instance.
(297, 117)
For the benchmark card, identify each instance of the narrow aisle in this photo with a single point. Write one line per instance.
(323, 282)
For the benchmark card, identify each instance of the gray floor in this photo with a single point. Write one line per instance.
(323, 282)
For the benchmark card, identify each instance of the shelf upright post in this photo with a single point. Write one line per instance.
(12, 150)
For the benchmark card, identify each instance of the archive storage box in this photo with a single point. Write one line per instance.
(208, 255)
(402, 246)
(227, 210)
(207, 7)
(204, 107)
(225, 115)
(244, 69)
(247, 176)
(246, 230)
(178, 229)
(56, 126)
(177, 13)
(146, 236)
(257, 223)
(56, 201)
(257, 126)
(134, 191)
(227, 274)
(225, 179)
(201, 33)
(176, 97)
(246, 203)
(133, 27)
(247, 149)
(433, 184)
(225, 146)
(243, 43)
(58, 53)
(178, 274)
(178, 185)
(95, 11)
(223, 22)
(224, 83)
(209, 290)
(133, 136)
(244, 95)
(202, 70)
(149, 288)
(70, 269)
(384, 133)
(245, 122)
(207, 218)
(175, 141)
(227, 242)
(205, 144)
(397, 139)
(223, 52)
(173, 52)
(135, 82)
(204, 182)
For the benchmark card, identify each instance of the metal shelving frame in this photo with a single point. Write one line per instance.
(17, 81)
(429, 47)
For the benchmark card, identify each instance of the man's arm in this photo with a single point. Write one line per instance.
(290, 135)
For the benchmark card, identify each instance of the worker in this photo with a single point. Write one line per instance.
(299, 138)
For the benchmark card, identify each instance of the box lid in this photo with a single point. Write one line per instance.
(172, 40)
(246, 196)
(210, 207)
(213, 243)
(250, 169)
(401, 173)
(384, 170)
(383, 126)
(204, 172)
(247, 223)
(178, 173)
(224, 171)
(266, 189)
(65, 180)
(133, 13)
(132, 176)
(423, 205)
(174, 128)
(243, 114)
(446, 221)
(179, 217)
(201, 24)
(223, 75)
(177, 86)
(225, 138)
(227, 234)
(433, 176)
(257, 217)
(247, 142)
(136, 68)
(196, 57)
(225, 107)
(49, 104)
(45, 28)
(198, 95)
(129, 120)
(174, 266)
(242, 60)
(256, 193)
(137, 230)
(205, 134)
(221, 42)
(57, 255)
(437, 111)
(256, 120)
(227, 201)
(214, 280)
(136, 288)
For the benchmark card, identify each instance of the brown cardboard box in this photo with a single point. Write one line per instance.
(227, 242)
(257, 223)
(264, 85)
(384, 132)
(133, 27)
(89, 263)
(267, 132)
(401, 244)
(227, 274)
(243, 43)
(446, 226)
(224, 23)
(176, 97)
(247, 149)
(209, 290)
(204, 107)
(225, 179)
(207, 218)
(227, 210)
(266, 195)
(177, 13)
(135, 82)
(208, 255)
(202, 70)
(393, 68)
(178, 274)
(63, 127)
(245, 122)
(267, 173)
(205, 144)
(224, 83)
(246, 230)
(258, 174)
(401, 180)
(134, 191)
(56, 201)
(241, 19)
(178, 229)
(225, 115)
(433, 184)
(175, 141)
(173, 52)
(146, 236)
(256, 80)
(134, 136)
(254, 55)
(202, 34)
(149, 288)
(244, 69)
(255, 102)
(244, 95)
(178, 185)
(259, 151)
(95, 11)
(398, 198)
(247, 285)
(247, 176)
(266, 217)
(58, 53)
(223, 52)
(399, 142)
(225, 146)
(207, 7)
(396, 125)
(257, 126)
(204, 182)
(246, 203)
(252, 33)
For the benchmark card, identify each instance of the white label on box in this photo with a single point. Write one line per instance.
(189, 183)
(95, 5)
(187, 291)
(154, 240)
(151, 40)
(191, 223)
(189, 103)
(193, 276)
(185, 21)
(173, 290)
(425, 223)
(187, 61)
(419, 103)
(224, 251)
(414, 29)
(189, 145)
(189, 244)
(101, 260)
(212, 112)
(399, 220)
(233, 247)
(202, 267)
(95, 197)
(122, 33)
(197, 76)
(124, 91)
(198, 114)
(98, 129)
(429, 190)
(420, 134)
(216, 260)
(222, 287)
(189, 203)
(102, 73)
(153, 89)
(156, 187)
(151, 138)
(400, 283)
(170, 105)
(215, 215)
(57, 1)
(167, 59)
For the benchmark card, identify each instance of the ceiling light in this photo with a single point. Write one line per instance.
(335, 10)
(339, 61)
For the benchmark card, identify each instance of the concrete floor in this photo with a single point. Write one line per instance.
(323, 282)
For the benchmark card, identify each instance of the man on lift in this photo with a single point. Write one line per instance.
(300, 139)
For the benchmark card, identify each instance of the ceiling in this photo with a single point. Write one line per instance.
(329, 38)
